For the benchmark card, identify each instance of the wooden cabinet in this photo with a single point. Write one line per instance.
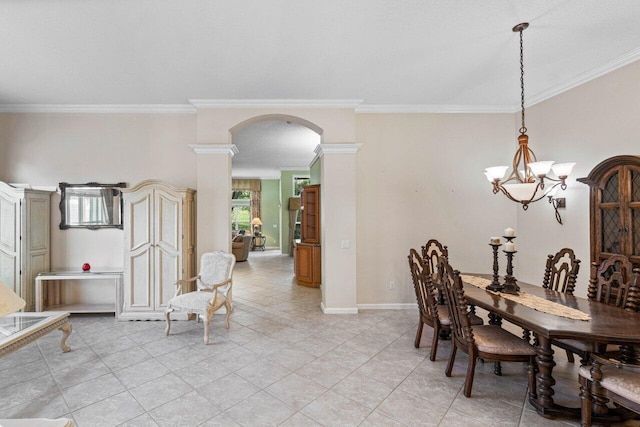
(310, 216)
(307, 250)
(307, 263)
(159, 234)
(25, 221)
(615, 208)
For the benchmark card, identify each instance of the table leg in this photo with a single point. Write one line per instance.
(66, 331)
(544, 379)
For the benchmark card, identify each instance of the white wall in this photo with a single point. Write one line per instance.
(418, 176)
(45, 149)
(586, 125)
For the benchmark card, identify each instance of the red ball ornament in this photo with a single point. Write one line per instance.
(86, 266)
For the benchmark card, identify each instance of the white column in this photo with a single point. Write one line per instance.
(213, 197)
(338, 213)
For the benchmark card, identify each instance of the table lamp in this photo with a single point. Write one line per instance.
(9, 301)
(256, 225)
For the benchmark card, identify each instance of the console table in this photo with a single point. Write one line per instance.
(49, 297)
(20, 329)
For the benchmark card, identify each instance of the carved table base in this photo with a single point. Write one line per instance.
(37, 325)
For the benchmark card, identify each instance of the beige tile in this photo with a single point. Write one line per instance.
(263, 373)
(261, 409)
(296, 391)
(332, 409)
(364, 390)
(228, 391)
(411, 410)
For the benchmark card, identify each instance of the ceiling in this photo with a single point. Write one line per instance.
(381, 55)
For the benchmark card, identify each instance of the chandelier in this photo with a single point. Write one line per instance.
(529, 180)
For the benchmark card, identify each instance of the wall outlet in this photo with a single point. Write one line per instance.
(345, 244)
(392, 285)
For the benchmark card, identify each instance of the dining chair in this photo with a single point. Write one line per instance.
(427, 304)
(560, 274)
(431, 253)
(214, 285)
(487, 342)
(561, 271)
(608, 380)
(615, 282)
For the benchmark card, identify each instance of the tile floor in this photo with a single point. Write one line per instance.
(281, 363)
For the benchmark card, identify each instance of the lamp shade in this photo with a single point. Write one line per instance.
(9, 301)
(495, 172)
(562, 169)
(540, 168)
(256, 221)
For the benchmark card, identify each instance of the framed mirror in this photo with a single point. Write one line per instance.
(91, 205)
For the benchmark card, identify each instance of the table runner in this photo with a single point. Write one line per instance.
(531, 301)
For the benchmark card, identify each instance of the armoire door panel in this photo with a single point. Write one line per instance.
(8, 224)
(38, 223)
(141, 227)
(168, 265)
(168, 220)
(10, 271)
(141, 287)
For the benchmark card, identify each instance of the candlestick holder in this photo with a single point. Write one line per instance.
(510, 285)
(495, 285)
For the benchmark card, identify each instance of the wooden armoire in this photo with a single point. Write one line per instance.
(306, 255)
(615, 208)
(159, 246)
(25, 243)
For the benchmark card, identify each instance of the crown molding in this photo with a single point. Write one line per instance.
(99, 108)
(587, 76)
(275, 103)
(322, 149)
(434, 109)
(230, 149)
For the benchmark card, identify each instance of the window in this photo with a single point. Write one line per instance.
(298, 183)
(241, 210)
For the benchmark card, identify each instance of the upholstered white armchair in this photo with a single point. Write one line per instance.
(214, 285)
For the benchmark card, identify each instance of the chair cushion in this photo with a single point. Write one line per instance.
(494, 339)
(194, 302)
(621, 381)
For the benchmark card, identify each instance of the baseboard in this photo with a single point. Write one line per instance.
(326, 310)
(392, 306)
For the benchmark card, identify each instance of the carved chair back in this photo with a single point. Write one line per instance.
(561, 271)
(425, 292)
(431, 252)
(458, 306)
(615, 282)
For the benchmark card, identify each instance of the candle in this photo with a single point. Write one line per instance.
(495, 241)
(509, 232)
(510, 247)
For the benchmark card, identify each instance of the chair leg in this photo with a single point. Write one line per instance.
(471, 369)
(531, 371)
(207, 321)
(586, 402)
(228, 306)
(434, 341)
(167, 315)
(416, 343)
(497, 369)
(570, 356)
(452, 358)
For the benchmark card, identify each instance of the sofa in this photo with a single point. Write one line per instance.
(240, 246)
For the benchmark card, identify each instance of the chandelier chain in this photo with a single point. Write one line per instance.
(523, 129)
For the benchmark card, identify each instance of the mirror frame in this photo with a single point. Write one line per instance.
(63, 209)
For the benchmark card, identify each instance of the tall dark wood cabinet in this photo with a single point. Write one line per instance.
(307, 251)
(615, 208)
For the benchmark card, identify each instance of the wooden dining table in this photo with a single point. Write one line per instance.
(607, 325)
